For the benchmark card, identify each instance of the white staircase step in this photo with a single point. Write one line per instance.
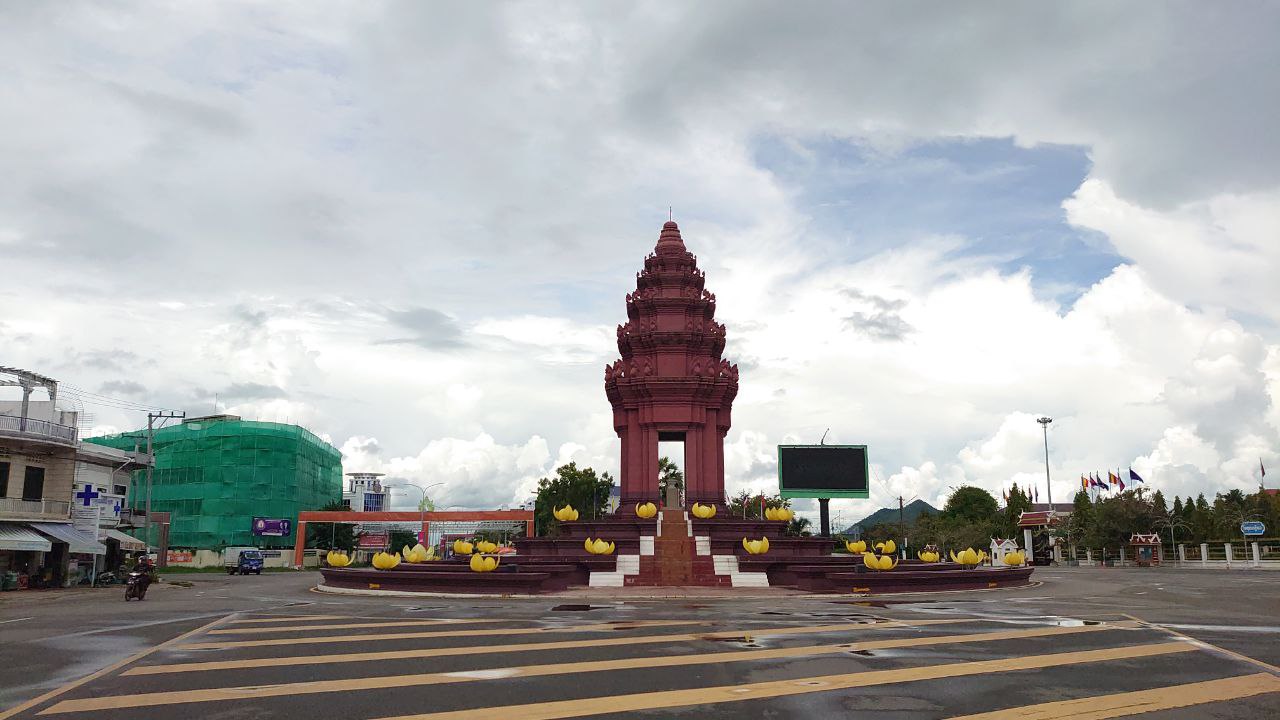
(728, 565)
(702, 544)
(624, 565)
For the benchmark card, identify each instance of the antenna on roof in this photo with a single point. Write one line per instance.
(823, 441)
(670, 216)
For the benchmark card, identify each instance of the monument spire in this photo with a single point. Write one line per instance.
(670, 240)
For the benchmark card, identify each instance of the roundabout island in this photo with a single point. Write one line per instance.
(672, 384)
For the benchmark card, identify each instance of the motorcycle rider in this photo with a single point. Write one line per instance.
(146, 573)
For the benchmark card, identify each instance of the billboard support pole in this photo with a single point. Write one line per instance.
(824, 516)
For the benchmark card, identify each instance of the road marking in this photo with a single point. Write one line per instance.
(1141, 701)
(324, 639)
(1206, 645)
(116, 702)
(14, 620)
(287, 618)
(349, 626)
(519, 647)
(110, 668)
(782, 688)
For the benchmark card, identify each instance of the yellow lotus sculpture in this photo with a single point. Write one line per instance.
(1015, 558)
(483, 563)
(416, 554)
(565, 514)
(857, 548)
(703, 512)
(386, 561)
(486, 547)
(599, 546)
(462, 547)
(929, 556)
(886, 548)
(881, 563)
(968, 556)
(646, 510)
(756, 547)
(783, 514)
(337, 558)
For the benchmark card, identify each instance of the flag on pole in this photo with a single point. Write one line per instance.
(1101, 485)
(1037, 495)
(1262, 467)
(1111, 478)
(1135, 476)
(1084, 484)
(1120, 482)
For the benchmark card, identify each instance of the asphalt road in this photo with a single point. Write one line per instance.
(1092, 643)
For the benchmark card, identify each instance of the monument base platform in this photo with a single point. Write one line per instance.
(674, 550)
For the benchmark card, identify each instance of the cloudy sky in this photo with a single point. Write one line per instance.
(410, 227)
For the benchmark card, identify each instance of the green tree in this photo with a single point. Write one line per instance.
(1018, 502)
(332, 536)
(747, 505)
(971, 503)
(587, 492)
(799, 526)
(669, 473)
(1177, 507)
(1158, 503)
(400, 538)
(1079, 521)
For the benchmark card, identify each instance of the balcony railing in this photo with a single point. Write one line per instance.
(30, 508)
(30, 427)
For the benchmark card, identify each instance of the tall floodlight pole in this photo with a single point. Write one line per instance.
(1044, 423)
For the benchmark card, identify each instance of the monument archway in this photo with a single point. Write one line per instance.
(671, 383)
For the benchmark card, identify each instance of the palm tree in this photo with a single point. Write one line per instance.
(669, 472)
(799, 526)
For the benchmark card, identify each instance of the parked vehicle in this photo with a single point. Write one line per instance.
(243, 560)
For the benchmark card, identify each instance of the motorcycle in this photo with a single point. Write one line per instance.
(135, 586)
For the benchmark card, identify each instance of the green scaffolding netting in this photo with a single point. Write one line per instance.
(214, 476)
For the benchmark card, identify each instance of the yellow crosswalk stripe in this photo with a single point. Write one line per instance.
(782, 688)
(116, 702)
(326, 639)
(518, 647)
(1142, 701)
(284, 618)
(348, 626)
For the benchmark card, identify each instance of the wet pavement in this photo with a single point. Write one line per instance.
(1083, 642)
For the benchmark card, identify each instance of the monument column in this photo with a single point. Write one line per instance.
(671, 375)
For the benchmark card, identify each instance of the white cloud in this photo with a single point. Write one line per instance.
(418, 223)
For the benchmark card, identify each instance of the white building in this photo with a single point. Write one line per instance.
(366, 493)
(50, 511)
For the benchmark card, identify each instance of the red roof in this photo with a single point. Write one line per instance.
(1038, 519)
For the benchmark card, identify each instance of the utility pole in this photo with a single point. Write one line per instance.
(1044, 423)
(151, 433)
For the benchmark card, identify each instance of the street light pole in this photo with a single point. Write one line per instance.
(422, 509)
(1044, 423)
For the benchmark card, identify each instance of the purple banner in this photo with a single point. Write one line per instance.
(278, 527)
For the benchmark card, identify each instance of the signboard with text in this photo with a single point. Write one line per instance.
(1252, 529)
(274, 527)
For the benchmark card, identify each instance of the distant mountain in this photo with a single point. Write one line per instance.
(910, 512)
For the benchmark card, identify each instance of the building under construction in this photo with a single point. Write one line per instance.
(216, 474)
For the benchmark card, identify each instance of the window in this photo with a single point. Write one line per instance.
(4, 479)
(33, 483)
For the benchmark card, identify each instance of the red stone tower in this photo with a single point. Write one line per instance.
(671, 383)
